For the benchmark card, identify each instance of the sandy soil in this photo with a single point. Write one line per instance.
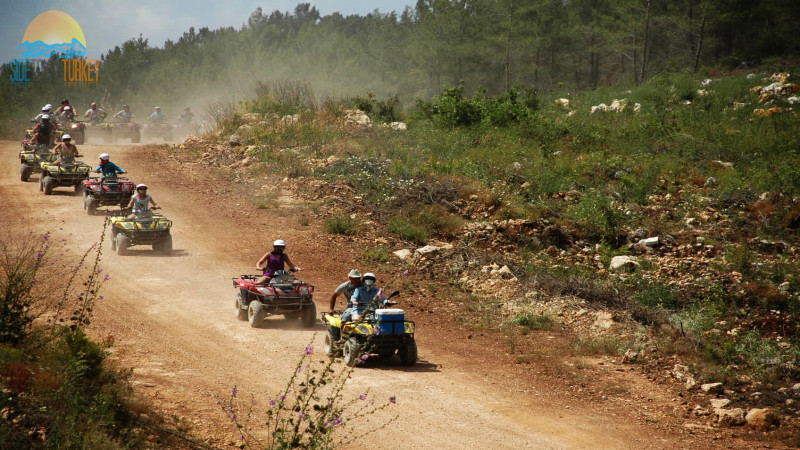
(172, 322)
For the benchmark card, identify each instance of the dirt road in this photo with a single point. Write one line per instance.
(172, 322)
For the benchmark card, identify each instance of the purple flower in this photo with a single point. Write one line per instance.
(234, 391)
(363, 396)
(309, 349)
(255, 401)
(403, 274)
(272, 403)
(106, 277)
(301, 416)
(100, 270)
(217, 402)
(393, 399)
(282, 398)
(336, 421)
(364, 357)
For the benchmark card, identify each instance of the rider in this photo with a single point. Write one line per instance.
(67, 114)
(43, 131)
(45, 110)
(157, 116)
(362, 298)
(346, 289)
(94, 113)
(66, 150)
(274, 261)
(108, 169)
(126, 115)
(64, 104)
(186, 116)
(141, 201)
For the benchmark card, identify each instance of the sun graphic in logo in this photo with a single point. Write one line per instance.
(53, 32)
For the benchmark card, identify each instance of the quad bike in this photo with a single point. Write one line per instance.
(283, 294)
(31, 157)
(106, 191)
(126, 130)
(76, 129)
(159, 131)
(68, 173)
(97, 129)
(379, 331)
(147, 228)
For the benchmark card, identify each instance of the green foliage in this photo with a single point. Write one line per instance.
(379, 111)
(407, 230)
(533, 321)
(342, 224)
(450, 109)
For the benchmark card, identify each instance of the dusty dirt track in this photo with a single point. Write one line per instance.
(172, 322)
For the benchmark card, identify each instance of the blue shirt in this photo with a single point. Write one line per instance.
(109, 169)
(157, 117)
(365, 294)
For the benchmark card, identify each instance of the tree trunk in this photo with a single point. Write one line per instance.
(700, 39)
(644, 44)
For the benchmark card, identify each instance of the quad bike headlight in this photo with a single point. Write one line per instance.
(363, 329)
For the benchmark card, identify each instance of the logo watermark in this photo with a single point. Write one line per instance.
(55, 33)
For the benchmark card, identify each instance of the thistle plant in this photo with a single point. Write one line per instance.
(308, 412)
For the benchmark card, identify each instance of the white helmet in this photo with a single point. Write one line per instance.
(67, 108)
(104, 156)
(65, 137)
(369, 278)
(46, 117)
(45, 108)
(48, 106)
(279, 243)
(141, 185)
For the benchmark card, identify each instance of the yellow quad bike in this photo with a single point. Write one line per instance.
(379, 331)
(31, 157)
(68, 173)
(147, 228)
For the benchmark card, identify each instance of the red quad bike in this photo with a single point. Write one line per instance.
(106, 191)
(284, 294)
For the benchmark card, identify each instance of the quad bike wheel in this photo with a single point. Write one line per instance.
(309, 315)
(123, 242)
(408, 353)
(241, 314)
(25, 172)
(49, 184)
(78, 187)
(164, 246)
(351, 351)
(255, 314)
(90, 205)
(329, 344)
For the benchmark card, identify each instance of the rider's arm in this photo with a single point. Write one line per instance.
(289, 262)
(153, 202)
(130, 203)
(262, 261)
(336, 292)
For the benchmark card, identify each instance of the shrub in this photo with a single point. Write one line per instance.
(533, 321)
(407, 230)
(342, 224)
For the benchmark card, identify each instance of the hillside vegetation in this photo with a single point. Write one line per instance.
(663, 226)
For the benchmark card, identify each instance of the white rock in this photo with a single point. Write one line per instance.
(403, 254)
(398, 126)
(431, 249)
(718, 403)
(711, 388)
(623, 264)
(604, 320)
(650, 242)
(761, 418)
(730, 417)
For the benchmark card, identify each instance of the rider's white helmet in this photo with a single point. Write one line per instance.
(141, 185)
(65, 137)
(67, 108)
(279, 243)
(369, 278)
(48, 106)
(46, 117)
(105, 157)
(45, 108)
